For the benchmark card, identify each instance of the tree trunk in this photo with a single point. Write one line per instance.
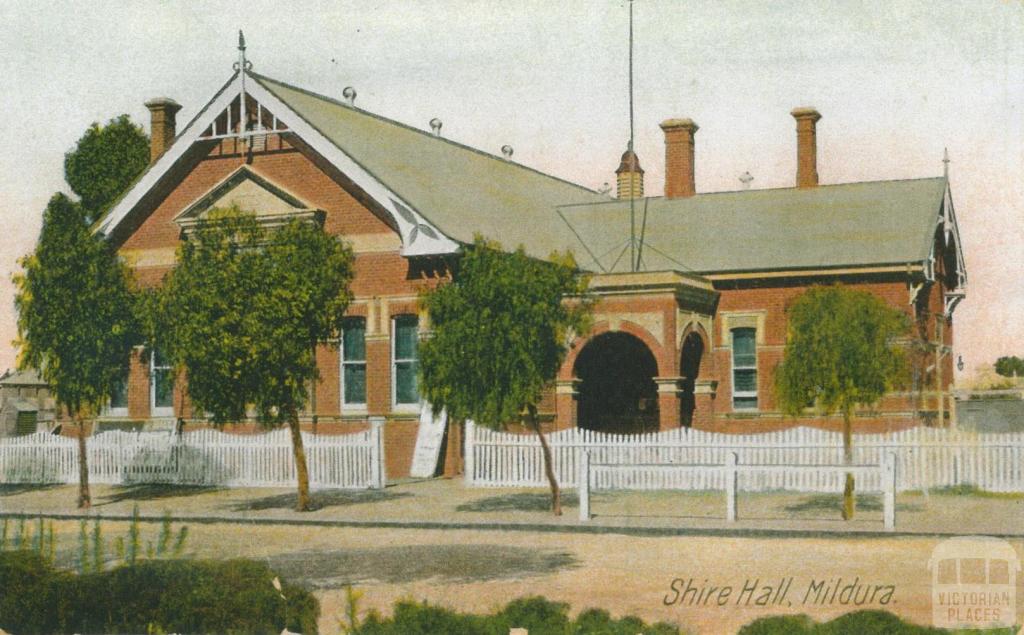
(301, 471)
(549, 470)
(849, 502)
(84, 499)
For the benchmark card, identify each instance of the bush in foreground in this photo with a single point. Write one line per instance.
(172, 596)
(536, 614)
(856, 623)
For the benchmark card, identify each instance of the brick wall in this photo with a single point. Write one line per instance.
(383, 279)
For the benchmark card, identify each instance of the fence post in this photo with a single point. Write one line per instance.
(469, 450)
(379, 476)
(583, 485)
(731, 461)
(889, 496)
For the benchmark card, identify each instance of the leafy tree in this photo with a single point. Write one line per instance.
(242, 312)
(501, 330)
(76, 320)
(840, 353)
(1010, 366)
(105, 161)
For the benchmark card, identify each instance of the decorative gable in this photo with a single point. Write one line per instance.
(247, 190)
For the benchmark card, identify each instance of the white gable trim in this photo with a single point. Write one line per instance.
(419, 236)
(167, 160)
(244, 172)
(951, 233)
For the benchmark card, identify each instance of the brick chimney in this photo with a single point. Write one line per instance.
(162, 113)
(630, 176)
(679, 182)
(806, 147)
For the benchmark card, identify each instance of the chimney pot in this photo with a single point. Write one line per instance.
(679, 161)
(806, 146)
(162, 124)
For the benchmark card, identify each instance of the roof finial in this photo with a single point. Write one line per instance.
(242, 63)
(745, 179)
(945, 162)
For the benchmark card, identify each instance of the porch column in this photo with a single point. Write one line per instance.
(704, 391)
(669, 389)
(567, 393)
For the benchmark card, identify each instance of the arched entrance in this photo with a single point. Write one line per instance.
(689, 368)
(617, 392)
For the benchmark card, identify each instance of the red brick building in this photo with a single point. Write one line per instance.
(693, 286)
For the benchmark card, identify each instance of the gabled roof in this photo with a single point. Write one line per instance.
(22, 378)
(852, 224)
(440, 193)
(459, 189)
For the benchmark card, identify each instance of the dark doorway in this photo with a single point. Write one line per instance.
(617, 389)
(689, 368)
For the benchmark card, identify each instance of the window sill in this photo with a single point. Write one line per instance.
(405, 409)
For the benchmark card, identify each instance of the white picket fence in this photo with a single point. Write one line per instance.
(203, 457)
(927, 457)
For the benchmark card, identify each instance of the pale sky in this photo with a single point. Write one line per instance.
(896, 82)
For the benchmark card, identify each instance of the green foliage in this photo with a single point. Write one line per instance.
(105, 161)
(501, 329)
(171, 596)
(51, 553)
(243, 310)
(538, 615)
(75, 310)
(19, 538)
(99, 556)
(179, 544)
(29, 593)
(164, 541)
(840, 351)
(350, 622)
(869, 622)
(1010, 366)
(134, 537)
(84, 562)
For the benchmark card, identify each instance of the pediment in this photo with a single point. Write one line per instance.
(249, 191)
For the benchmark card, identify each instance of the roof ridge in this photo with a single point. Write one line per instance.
(766, 189)
(424, 133)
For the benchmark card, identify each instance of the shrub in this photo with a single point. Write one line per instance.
(870, 623)
(230, 596)
(538, 615)
(599, 621)
(779, 625)
(29, 590)
(856, 623)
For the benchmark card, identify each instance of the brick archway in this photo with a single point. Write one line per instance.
(625, 326)
(695, 362)
(617, 391)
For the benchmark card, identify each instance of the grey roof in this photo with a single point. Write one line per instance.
(22, 378)
(853, 224)
(464, 191)
(459, 189)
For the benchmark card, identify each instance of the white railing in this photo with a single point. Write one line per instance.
(928, 457)
(203, 457)
(884, 474)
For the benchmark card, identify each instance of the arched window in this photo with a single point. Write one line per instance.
(353, 363)
(744, 369)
